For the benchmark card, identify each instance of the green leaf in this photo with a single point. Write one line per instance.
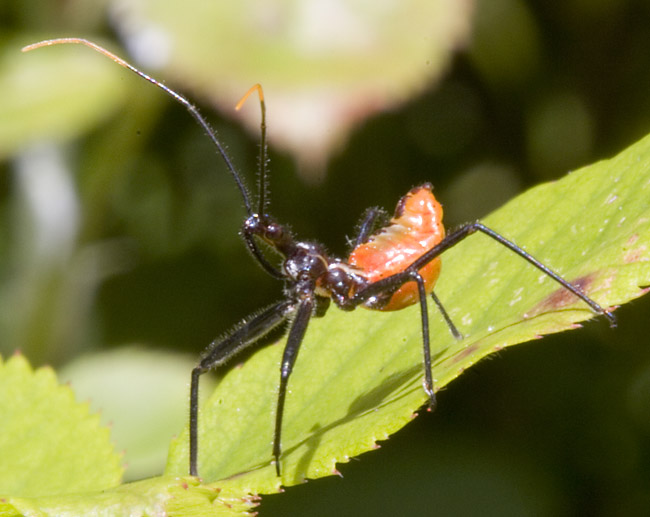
(172, 496)
(58, 460)
(49, 443)
(358, 377)
(110, 378)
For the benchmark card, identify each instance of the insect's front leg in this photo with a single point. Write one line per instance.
(255, 250)
(221, 350)
(294, 340)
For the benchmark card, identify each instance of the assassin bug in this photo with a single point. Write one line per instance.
(388, 269)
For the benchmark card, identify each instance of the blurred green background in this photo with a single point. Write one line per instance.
(118, 224)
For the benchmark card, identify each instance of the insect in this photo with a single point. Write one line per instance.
(389, 268)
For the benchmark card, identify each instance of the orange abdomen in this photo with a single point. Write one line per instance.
(415, 229)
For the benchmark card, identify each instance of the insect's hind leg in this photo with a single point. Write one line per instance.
(465, 231)
(220, 351)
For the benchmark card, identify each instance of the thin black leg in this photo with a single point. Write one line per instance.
(372, 218)
(448, 321)
(260, 258)
(394, 282)
(369, 222)
(296, 335)
(194, 419)
(220, 351)
(426, 346)
(465, 231)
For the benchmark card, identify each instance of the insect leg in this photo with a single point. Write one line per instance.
(372, 218)
(296, 335)
(221, 350)
(426, 347)
(447, 318)
(465, 231)
(393, 283)
(259, 256)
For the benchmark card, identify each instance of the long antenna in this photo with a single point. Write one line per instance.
(263, 158)
(179, 98)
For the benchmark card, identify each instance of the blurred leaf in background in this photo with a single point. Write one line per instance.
(327, 65)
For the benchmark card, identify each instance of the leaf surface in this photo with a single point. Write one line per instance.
(50, 443)
(165, 495)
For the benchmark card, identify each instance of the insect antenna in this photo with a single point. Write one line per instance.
(176, 96)
(262, 185)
